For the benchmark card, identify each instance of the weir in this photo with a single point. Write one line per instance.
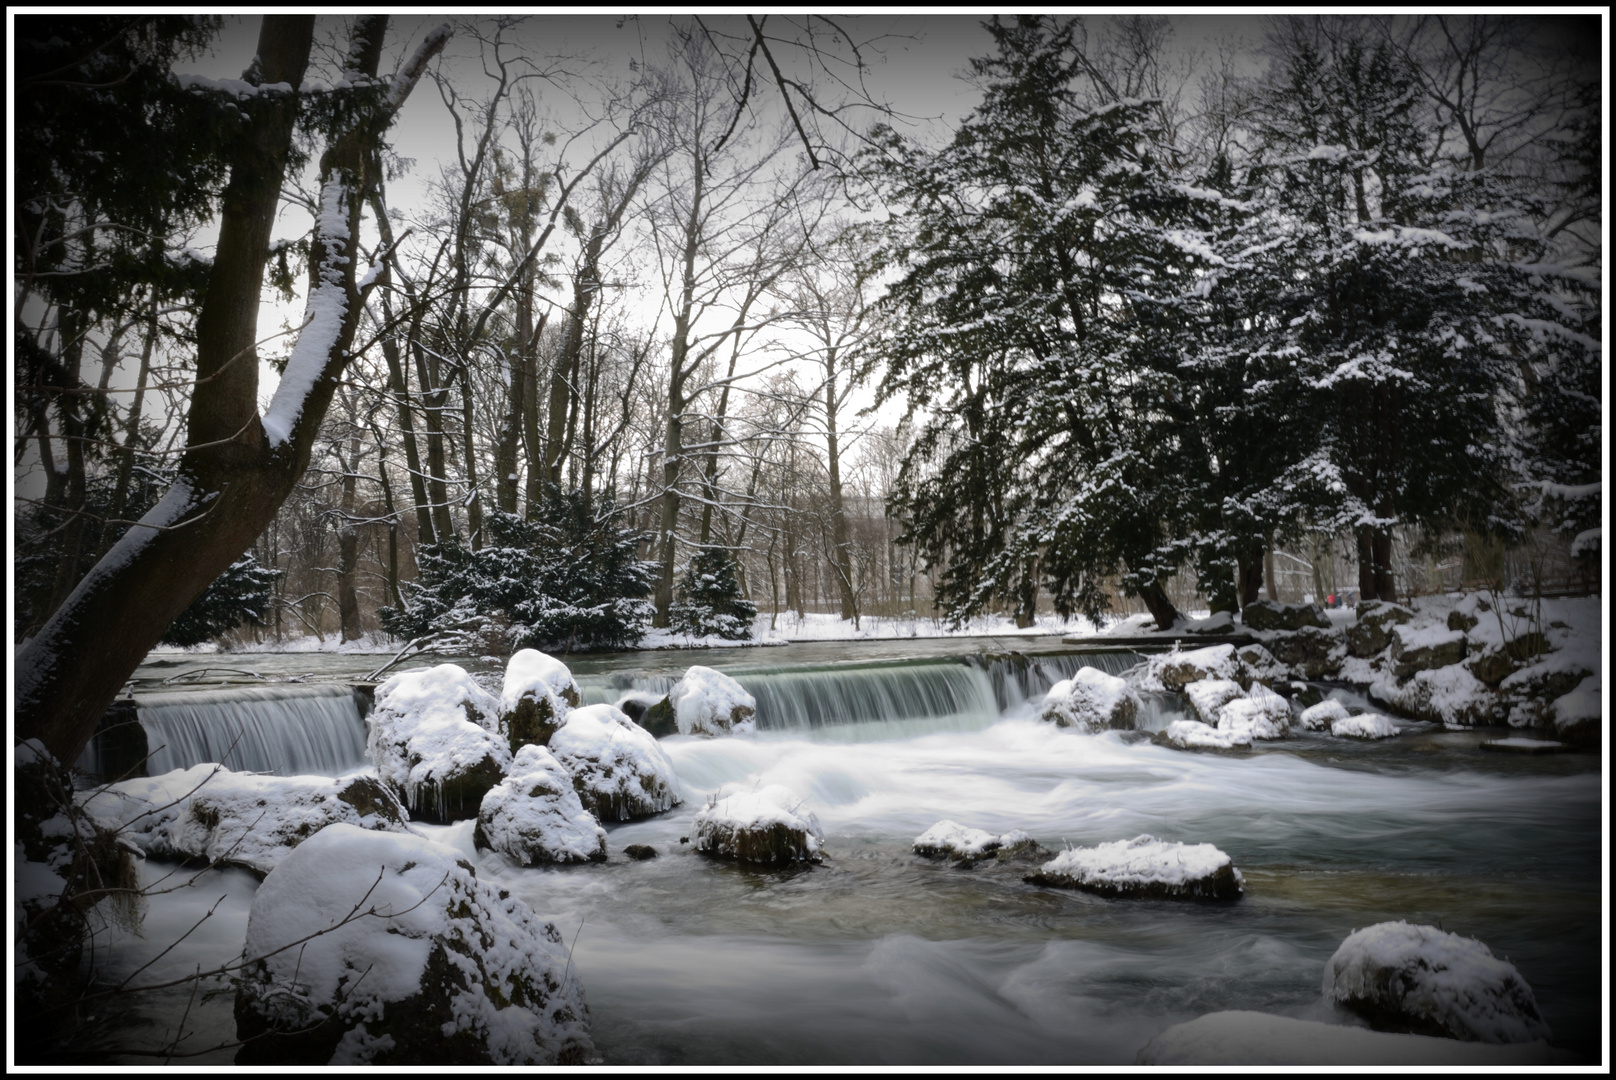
(284, 730)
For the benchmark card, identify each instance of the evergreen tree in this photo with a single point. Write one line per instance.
(240, 595)
(1045, 260)
(565, 580)
(710, 600)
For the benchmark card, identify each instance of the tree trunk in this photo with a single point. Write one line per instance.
(1250, 564)
(237, 469)
(1159, 606)
(398, 384)
(840, 557)
(348, 547)
(1270, 582)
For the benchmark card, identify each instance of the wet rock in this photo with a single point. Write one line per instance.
(1176, 670)
(1423, 980)
(1319, 717)
(1091, 701)
(957, 843)
(447, 971)
(1207, 696)
(1269, 615)
(770, 826)
(640, 852)
(534, 817)
(212, 814)
(617, 768)
(1425, 648)
(1371, 633)
(1310, 653)
(658, 719)
(1145, 868)
(1194, 735)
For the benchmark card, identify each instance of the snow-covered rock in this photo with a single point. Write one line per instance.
(959, 843)
(1419, 979)
(1254, 663)
(1371, 631)
(1253, 1038)
(767, 826)
(1174, 670)
(705, 702)
(534, 816)
(1259, 714)
(432, 743)
(1364, 726)
(617, 767)
(1578, 716)
(1194, 735)
(385, 949)
(236, 818)
(1145, 867)
(1319, 717)
(537, 693)
(1270, 615)
(1091, 701)
(1448, 695)
(1207, 696)
(1221, 622)
(1310, 653)
(1423, 646)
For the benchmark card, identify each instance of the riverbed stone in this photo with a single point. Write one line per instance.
(432, 743)
(1207, 696)
(534, 817)
(1425, 981)
(1177, 669)
(538, 691)
(1271, 615)
(1310, 653)
(617, 768)
(1370, 634)
(1145, 868)
(1091, 701)
(770, 826)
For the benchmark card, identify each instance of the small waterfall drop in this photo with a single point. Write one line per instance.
(285, 730)
(860, 703)
(1018, 678)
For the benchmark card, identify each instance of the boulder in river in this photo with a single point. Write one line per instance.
(1271, 615)
(368, 948)
(1091, 701)
(1367, 726)
(431, 741)
(770, 826)
(959, 843)
(534, 816)
(618, 769)
(1194, 735)
(1145, 868)
(1319, 717)
(538, 691)
(703, 702)
(1420, 979)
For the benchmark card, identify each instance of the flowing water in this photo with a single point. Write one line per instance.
(881, 957)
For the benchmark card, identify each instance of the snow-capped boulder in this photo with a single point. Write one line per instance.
(1419, 979)
(1259, 713)
(1145, 867)
(409, 960)
(1371, 632)
(958, 843)
(1194, 735)
(1271, 615)
(1177, 669)
(1219, 622)
(537, 693)
(239, 819)
(1091, 701)
(1207, 696)
(1256, 664)
(768, 826)
(534, 816)
(617, 767)
(432, 743)
(1310, 653)
(1319, 717)
(1577, 715)
(703, 702)
(1252, 1038)
(1423, 647)
(1448, 695)
(1364, 726)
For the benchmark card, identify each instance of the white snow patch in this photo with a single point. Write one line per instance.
(1207, 696)
(956, 841)
(430, 724)
(1194, 735)
(1091, 701)
(530, 671)
(1260, 714)
(1319, 717)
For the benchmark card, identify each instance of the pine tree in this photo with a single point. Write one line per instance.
(709, 599)
(1045, 259)
(238, 596)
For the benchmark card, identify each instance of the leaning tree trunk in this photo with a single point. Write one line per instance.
(1159, 606)
(239, 467)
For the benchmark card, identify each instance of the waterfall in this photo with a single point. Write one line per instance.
(872, 701)
(285, 730)
(1017, 678)
(612, 688)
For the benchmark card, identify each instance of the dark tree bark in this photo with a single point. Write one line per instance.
(348, 546)
(237, 468)
(1160, 607)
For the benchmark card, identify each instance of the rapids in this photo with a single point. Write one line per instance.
(881, 957)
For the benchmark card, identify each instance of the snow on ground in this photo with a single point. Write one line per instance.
(1145, 865)
(1253, 1038)
(1427, 976)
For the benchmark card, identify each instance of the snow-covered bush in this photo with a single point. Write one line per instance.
(617, 767)
(709, 599)
(533, 816)
(566, 580)
(1403, 977)
(1091, 701)
(431, 742)
(537, 693)
(769, 826)
(239, 819)
(385, 949)
(1145, 867)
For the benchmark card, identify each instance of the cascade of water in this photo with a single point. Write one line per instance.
(285, 730)
(871, 702)
(1017, 678)
(610, 689)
